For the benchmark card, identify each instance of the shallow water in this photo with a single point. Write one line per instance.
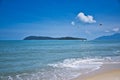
(54, 59)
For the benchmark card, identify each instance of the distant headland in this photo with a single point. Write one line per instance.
(115, 36)
(51, 38)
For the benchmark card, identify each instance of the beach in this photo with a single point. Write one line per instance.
(107, 72)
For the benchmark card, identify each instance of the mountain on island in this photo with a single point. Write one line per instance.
(51, 38)
(110, 37)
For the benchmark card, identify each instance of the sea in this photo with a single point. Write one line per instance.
(54, 59)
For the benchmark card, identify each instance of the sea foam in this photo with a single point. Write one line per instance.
(78, 63)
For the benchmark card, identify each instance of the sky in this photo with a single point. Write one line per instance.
(58, 18)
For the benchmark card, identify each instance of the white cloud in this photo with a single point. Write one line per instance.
(107, 31)
(85, 18)
(116, 29)
(113, 30)
(73, 23)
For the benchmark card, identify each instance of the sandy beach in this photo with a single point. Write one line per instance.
(110, 75)
(106, 72)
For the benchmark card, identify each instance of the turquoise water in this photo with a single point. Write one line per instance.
(54, 59)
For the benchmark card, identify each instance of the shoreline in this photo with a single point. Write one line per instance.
(106, 72)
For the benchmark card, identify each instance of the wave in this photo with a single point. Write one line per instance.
(78, 63)
(86, 63)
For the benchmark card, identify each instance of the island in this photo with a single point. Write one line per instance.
(51, 38)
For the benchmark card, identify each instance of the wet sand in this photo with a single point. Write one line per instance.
(106, 72)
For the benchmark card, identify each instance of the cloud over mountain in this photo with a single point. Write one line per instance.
(116, 29)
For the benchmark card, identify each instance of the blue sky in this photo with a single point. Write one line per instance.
(56, 18)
